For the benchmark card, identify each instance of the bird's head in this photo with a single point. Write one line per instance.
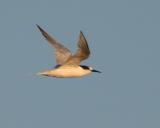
(90, 69)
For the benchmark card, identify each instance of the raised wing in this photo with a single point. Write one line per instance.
(82, 52)
(61, 53)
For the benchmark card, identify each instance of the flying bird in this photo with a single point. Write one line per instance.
(68, 64)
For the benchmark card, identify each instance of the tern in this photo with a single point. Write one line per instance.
(68, 64)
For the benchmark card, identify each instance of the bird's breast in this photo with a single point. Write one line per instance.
(69, 72)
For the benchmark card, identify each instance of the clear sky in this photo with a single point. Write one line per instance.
(124, 39)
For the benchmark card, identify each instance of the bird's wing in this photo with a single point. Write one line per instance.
(61, 53)
(82, 52)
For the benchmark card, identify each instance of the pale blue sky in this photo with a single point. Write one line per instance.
(124, 38)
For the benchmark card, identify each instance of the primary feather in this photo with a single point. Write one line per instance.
(61, 53)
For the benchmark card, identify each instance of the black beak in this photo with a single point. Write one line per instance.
(96, 71)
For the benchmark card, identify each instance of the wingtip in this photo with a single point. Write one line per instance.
(38, 27)
(41, 30)
(81, 32)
